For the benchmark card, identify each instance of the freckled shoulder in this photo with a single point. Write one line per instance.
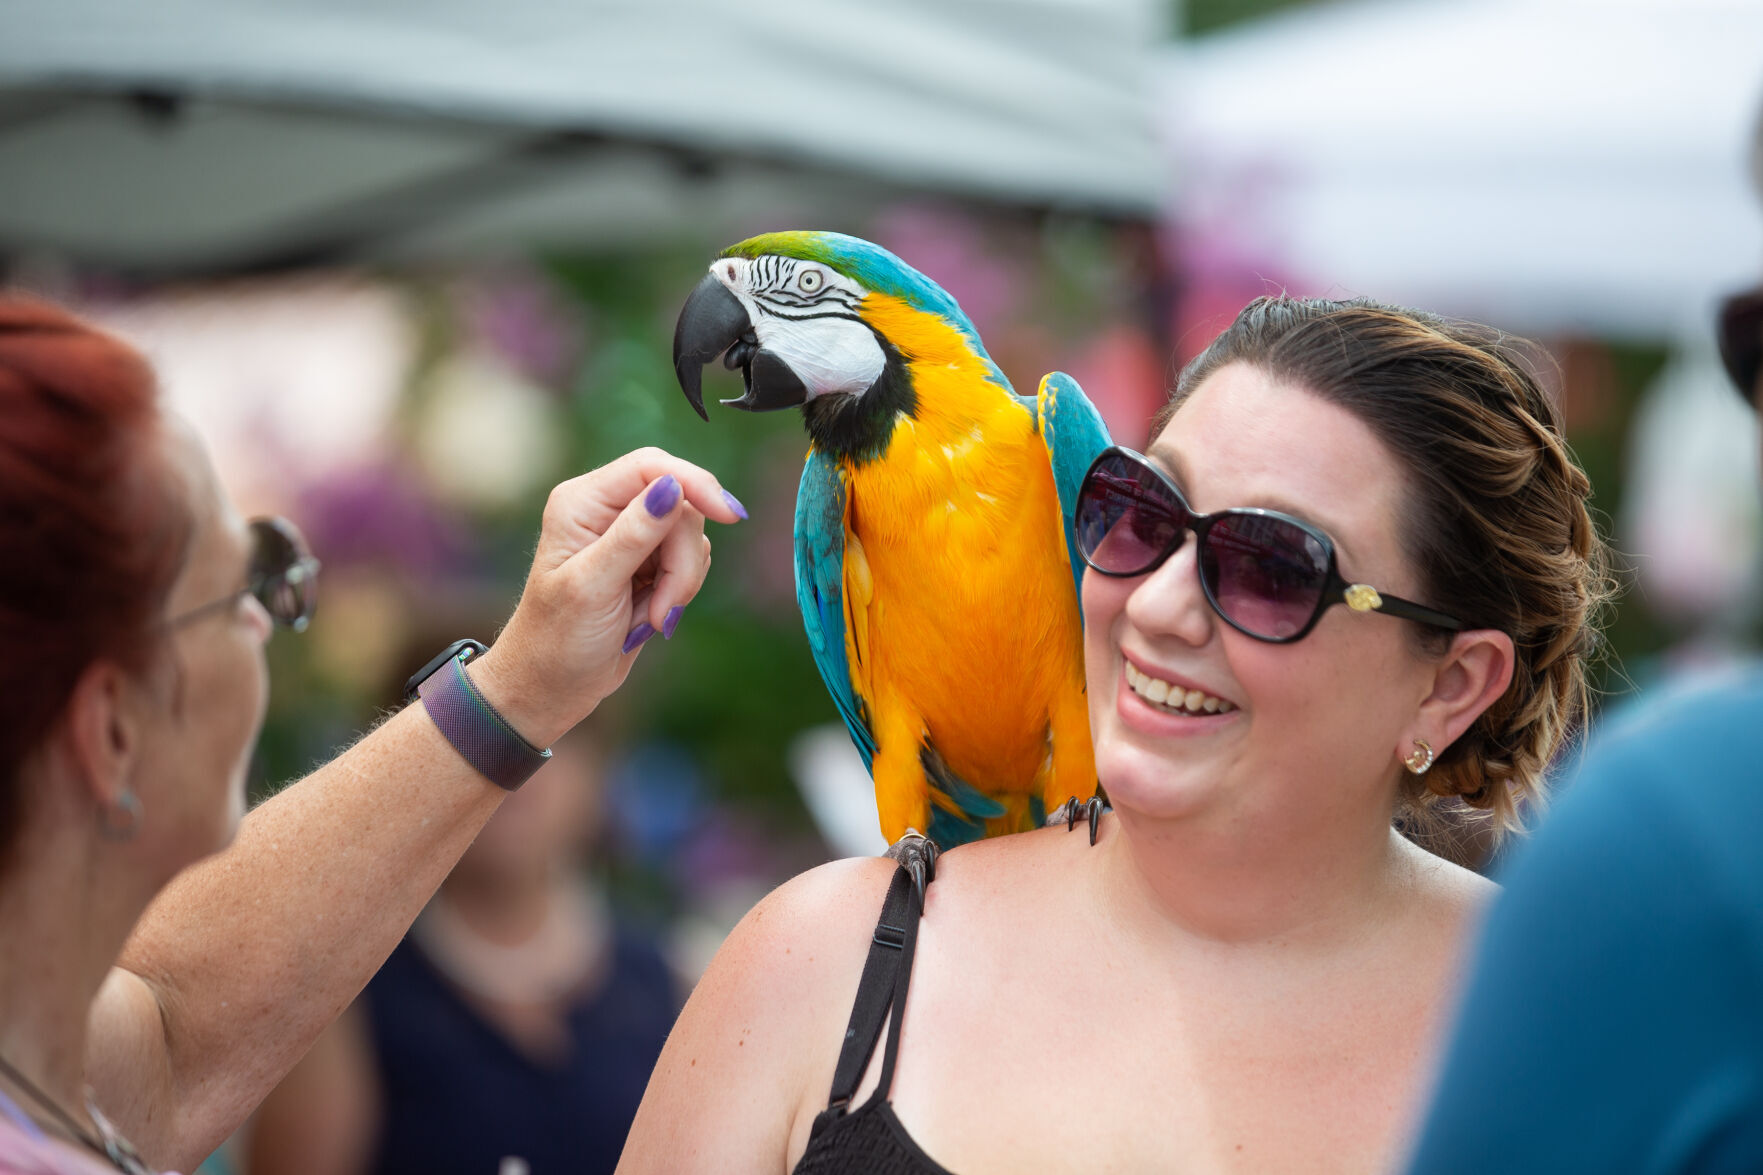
(823, 915)
(752, 1053)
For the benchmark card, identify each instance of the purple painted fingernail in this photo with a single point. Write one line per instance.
(671, 621)
(662, 497)
(734, 504)
(639, 634)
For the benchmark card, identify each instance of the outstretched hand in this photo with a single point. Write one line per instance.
(622, 551)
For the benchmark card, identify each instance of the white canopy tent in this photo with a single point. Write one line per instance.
(192, 135)
(1548, 165)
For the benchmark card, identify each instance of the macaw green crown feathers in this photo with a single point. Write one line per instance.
(874, 268)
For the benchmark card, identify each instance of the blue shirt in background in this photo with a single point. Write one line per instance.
(459, 1097)
(1615, 1019)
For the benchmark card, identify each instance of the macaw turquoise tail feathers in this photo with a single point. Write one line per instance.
(947, 828)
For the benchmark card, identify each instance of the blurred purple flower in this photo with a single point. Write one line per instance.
(518, 314)
(382, 515)
(727, 848)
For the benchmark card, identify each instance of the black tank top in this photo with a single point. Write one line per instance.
(871, 1138)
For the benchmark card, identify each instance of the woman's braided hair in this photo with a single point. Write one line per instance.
(1496, 522)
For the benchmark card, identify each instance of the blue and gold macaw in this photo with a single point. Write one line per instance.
(935, 561)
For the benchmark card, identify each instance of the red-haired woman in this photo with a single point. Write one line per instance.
(141, 997)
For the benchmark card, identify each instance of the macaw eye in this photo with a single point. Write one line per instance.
(808, 281)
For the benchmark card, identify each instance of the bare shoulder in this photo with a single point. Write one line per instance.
(810, 924)
(1446, 890)
(1031, 850)
(988, 878)
(799, 951)
(760, 1031)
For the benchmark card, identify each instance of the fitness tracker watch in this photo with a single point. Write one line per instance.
(482, 737)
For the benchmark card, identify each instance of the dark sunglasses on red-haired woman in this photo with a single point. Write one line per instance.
(281, 573)
(1267, 574)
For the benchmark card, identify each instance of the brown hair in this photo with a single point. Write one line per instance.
(1497, 522)
(93, 523)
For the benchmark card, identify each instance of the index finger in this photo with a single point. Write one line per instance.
(614, 484)
(580, 509)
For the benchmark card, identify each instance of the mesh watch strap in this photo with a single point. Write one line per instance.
(482, 737)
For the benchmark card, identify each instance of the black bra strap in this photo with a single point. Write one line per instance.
(885, 973)
(902, 979)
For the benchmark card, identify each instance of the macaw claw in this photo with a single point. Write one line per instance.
(1069, 810)
(917, 854)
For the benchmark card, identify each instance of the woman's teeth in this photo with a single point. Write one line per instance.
(1173, 697)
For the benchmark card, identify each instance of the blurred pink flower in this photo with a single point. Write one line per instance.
(1126, 377)
(949, 247)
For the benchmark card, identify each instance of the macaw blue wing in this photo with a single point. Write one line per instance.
(820, 590)
(1074, 434)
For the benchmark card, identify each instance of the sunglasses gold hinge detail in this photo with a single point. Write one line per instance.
(1362, 597)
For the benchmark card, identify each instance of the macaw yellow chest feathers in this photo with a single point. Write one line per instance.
(934, 556)
(963, 632)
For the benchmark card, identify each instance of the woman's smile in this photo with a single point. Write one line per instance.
(1161, 703)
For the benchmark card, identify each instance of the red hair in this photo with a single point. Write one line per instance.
(94, 522)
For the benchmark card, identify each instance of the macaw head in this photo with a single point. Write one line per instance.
(819, 321)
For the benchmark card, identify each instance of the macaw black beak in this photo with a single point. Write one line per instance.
(713, 322)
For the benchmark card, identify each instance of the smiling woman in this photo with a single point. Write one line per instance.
(1487, 508)
(1250, 968)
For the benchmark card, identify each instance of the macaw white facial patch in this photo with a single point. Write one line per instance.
(806, 314)
(829, 355)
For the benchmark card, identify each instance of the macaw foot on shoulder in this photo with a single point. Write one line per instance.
(1071, 810)
(917, 854)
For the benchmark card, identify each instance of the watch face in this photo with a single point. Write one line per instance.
(465, 648)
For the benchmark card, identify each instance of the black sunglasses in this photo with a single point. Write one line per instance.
(1741, 339)
(281, 573)
(1267, 574)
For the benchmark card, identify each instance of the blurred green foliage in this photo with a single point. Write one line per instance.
(1197, 17)
(1634, 634)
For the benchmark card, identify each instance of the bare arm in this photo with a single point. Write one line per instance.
(750, 1060)
(243, 959)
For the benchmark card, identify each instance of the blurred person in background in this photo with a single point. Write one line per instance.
(163, 961)
(1250, 969)
(519, 1018)
(1615, 1019)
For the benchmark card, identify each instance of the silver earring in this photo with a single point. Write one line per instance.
(122, 819)
(1419, 761)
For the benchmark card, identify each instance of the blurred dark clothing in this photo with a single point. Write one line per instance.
(459, 1096)
(1615, 1021)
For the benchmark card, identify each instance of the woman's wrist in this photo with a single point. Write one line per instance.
(530, 710)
